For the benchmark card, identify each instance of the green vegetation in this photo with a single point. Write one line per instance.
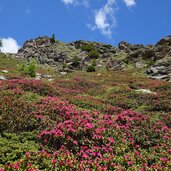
(53, 40)
(88, 47)
(13, 147)
(90, 68)
(29, 68)
(91, 49)
(93, 62)
(84, 121)
(76, 62)
(93, 54)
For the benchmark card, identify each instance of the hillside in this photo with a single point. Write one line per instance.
(153, 60)
(55, 116)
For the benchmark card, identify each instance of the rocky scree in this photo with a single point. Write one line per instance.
(78, 55)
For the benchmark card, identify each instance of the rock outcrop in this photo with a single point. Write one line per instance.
(78, 55)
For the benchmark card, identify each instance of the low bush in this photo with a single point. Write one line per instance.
(76, 62)
(29, 68)
(91, 68)
(93, 54)
(13, 147)
(89, 47)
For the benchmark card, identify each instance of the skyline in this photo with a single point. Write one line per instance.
(107, 21)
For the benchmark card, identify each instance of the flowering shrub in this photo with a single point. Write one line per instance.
(70, 138)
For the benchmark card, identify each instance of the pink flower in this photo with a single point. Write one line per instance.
(164, 159)
(164, 128)
(130, 162)
(75, 142)
(111, 140)
(27, 154)
(169, 151)
(88, 126)
(85, 156)
(54, 161)
(136, 152)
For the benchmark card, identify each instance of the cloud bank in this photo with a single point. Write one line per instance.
(9, 45)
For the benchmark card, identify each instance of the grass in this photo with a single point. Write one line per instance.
(13, 67)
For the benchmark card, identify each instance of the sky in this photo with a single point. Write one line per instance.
(107, 21)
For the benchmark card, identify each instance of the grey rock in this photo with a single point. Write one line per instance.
(165, 41)
(63, 73)
(160, 77)
(2, 77)
(4, 71)
(51, 79)
(145, 91)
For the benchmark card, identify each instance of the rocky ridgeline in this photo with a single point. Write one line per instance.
(78, 55)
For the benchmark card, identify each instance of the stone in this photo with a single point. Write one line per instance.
(47, 76)
(51, 79)
(63, 73)
(140, 64)
(4, 71)
(38, 74)
(145, 91)
(38, 78)
(160, 77)
(2, 77)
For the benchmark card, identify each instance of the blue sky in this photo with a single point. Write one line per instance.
(108, 21)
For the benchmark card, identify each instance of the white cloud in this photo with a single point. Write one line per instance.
(105, 19)
(69, 1)
(9, 45)
(76, 2)
(130, 3)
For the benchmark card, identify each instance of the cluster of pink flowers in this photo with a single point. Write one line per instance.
(86, 140)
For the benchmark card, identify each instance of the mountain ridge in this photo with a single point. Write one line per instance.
(154, 60)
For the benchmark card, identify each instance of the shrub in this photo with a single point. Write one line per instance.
(93, 54)
(91, 68)
(76, 62)
(15, 115)
(30, 97)
(93, 62)
(13, 147)
(89, 47)
(29, 68)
